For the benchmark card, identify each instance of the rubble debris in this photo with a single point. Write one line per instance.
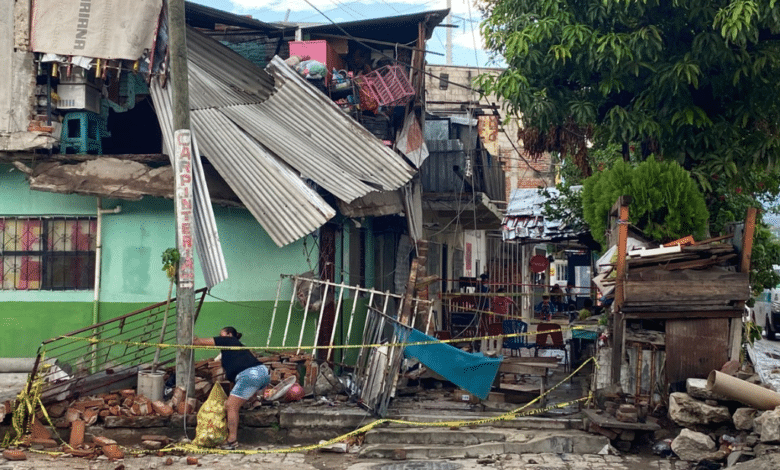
(687, 411)
(690, 445)
(743, 418)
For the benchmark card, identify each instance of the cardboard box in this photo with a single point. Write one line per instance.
(83, 96)
(464, 396)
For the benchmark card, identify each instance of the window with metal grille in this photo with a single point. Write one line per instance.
(47, 253)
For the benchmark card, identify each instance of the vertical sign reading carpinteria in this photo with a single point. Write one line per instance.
(184, 216)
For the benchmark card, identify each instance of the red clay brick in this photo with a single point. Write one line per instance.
(72, 414)
(83, 405)
(103, 441)
(161, 408)
(38, 430)
(90, 416)
(47, 443)
(14, 454)
(77, 429)
(113, 452)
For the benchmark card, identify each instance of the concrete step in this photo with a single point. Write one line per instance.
(519, 442)
(434, 435)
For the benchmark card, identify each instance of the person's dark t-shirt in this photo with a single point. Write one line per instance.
(235, 361)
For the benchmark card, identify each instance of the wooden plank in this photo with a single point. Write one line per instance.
(695, 347)
(522, 369)
(524, 388)
(747, 239)
(606, 421)
(690, 291)
(532, 360)
(620, 210)
(682, 315)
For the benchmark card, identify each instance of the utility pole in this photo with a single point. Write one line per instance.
(449, 33)
(185, 295)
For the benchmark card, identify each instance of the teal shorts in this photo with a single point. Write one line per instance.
(249, 381)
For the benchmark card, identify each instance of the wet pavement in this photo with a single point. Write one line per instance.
(330, 461)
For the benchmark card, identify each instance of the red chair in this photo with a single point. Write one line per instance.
(550, 336)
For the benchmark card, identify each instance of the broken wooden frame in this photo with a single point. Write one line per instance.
(376, 367)
(101, 356)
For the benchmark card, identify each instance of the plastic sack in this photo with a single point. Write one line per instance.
(212, 429)
(312, 69)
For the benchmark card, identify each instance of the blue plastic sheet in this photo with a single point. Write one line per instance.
(474, 372)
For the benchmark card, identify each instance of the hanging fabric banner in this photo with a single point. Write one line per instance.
(109, 29)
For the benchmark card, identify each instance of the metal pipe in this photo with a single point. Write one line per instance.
(318, 327)
(99, 251)
(337, 318)
(289, 313)
(305, 316)
(123, 317)
(98, 261)
(273, 314)
(750, 394)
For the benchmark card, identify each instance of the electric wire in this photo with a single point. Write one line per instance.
(420, 70)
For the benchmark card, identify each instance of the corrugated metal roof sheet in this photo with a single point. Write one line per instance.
(525, 217)
(264, 132)
(202, 16)
(207, 246)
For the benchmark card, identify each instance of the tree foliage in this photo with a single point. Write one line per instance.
(689, 80)
(666, 203)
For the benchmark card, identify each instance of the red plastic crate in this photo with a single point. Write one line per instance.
(388, 85)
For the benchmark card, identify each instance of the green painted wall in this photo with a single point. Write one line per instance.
(133, 242)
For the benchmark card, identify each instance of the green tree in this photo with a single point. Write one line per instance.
(666, 203)
(689, 80)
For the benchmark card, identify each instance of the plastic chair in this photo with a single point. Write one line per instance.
(552, 331)
(83, 131)
(516, 343)
(493, 344)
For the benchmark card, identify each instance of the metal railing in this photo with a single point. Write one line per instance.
(107, 356)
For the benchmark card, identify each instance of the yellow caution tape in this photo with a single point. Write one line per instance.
(325, 347)
(26, 402)
(516, 413)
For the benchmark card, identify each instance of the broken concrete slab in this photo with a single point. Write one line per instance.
(692, 445)
(687, 411)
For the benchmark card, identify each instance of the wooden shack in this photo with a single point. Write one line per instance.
(677, 313)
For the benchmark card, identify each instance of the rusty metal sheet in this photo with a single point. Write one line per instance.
(695, 347)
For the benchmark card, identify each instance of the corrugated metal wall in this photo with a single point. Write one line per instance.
(445, 168)
(695, 347)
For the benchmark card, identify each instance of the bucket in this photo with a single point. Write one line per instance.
(151, 384)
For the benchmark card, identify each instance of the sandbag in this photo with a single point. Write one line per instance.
(212, 429)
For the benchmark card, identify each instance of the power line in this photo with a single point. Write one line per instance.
(423, 71)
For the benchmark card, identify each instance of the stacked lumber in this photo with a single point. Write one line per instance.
(701, 256)
(698, 278)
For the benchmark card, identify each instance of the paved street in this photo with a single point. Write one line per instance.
(323, 461)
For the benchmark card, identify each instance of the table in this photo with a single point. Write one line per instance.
(533, 366)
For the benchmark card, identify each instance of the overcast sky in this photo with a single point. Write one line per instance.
(467, 42)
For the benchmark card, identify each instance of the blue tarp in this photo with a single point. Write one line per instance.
(474, 372)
